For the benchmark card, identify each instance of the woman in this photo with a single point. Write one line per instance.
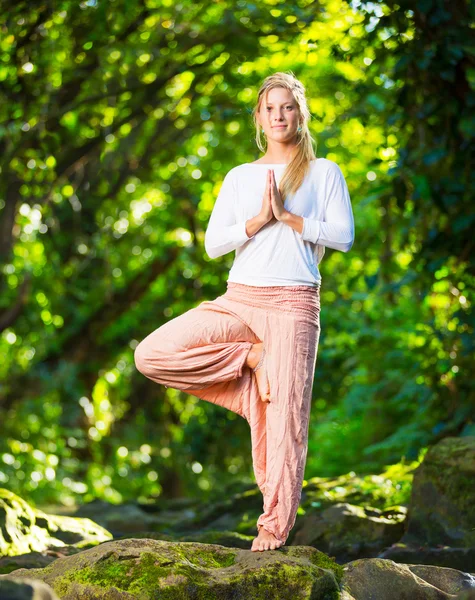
(253, 350)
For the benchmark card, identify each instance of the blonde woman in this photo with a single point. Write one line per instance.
(253, 350)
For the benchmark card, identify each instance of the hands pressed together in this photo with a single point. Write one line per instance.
(272, 204)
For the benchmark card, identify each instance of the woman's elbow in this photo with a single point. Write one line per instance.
(210, 248)
(212, 251)
(349, 245)
(212, 255)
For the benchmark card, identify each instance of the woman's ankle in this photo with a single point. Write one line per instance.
(254, 355)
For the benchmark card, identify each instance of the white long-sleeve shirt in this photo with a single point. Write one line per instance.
(277, 255)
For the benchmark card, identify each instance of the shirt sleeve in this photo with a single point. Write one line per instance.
(337, 230)
(223, 233)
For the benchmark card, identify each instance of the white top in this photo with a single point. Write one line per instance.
(277, 255)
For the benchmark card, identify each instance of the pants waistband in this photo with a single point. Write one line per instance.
(301, 299)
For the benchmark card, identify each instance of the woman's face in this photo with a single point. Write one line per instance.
(279, 115)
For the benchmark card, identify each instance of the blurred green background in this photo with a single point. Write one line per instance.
(119, 120)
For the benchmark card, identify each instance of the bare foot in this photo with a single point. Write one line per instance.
(253, 359)
(265, 541)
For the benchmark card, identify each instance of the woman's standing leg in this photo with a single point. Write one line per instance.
(280, 432)
(291, 370)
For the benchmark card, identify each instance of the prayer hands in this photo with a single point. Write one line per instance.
(272, 205)
(275, 198)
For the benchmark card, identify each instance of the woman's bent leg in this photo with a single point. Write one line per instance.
(202, 352)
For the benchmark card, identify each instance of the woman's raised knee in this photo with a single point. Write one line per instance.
(143, 360)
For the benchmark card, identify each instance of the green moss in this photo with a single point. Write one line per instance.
(323, 561)
(286, 582)
(200, 555)
(125, 575)
(151, 576)
(317, 558)
(142, 573)
(283, 581)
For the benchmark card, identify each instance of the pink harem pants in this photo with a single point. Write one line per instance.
(203, 353)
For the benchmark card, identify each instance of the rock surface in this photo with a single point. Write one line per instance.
(12, 588)
(462, 559)
(37, 560)
(145, 569)
(349, 532)
(24, 528)
(181, 549)
(442, 507)
(380, 579)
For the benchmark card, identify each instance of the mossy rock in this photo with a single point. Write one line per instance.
(26, 529)
(442, 507)
(152, 569)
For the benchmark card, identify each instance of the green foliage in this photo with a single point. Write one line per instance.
(116, 129)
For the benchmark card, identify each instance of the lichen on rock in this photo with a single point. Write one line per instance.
(24, 528)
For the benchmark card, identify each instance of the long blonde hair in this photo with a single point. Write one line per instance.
(298, 167)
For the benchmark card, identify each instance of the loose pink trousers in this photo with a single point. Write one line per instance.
(203, 353)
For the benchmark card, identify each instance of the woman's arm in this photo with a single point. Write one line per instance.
(337, 230)
(223, 234)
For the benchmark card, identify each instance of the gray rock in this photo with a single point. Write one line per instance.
(381, 579)
(349, 532)
(462, 559)
(12, 588)
(129, 518)
(36, 560)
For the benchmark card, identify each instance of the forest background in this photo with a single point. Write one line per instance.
(118, 122)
